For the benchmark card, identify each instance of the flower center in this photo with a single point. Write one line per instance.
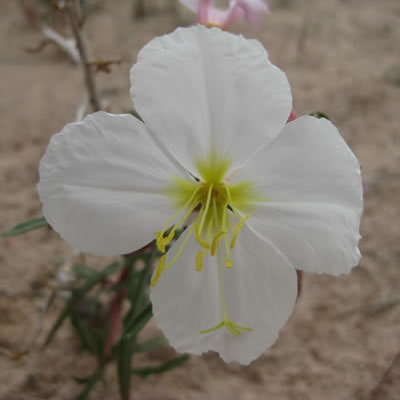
(215, 204)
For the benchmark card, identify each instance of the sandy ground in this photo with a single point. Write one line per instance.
(341, 58)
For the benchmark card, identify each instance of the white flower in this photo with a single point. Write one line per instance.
(261, 197)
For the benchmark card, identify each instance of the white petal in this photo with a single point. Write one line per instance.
(313, 183)
(260, 292)
(199, 87)
(101, 184)
(316, 237)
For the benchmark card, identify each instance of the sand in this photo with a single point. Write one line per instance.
(341, 58)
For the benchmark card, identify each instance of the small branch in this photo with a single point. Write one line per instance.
(68, 45)
(74, 21)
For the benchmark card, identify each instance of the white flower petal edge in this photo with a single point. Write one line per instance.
(101, 184)
(260, 293)
(199, 88)
(312, 183)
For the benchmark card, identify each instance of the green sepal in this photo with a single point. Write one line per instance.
(318, 114)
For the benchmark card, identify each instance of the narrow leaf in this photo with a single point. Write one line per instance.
(124, 361)
(151, 344)
(27, 226)
(135, 325)
(90, 382)
(77, 296)
(90, 339)
(83, 271)
(164, 367)
(126, 349)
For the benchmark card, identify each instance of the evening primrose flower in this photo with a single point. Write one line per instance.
(207, 14)
(259, 198)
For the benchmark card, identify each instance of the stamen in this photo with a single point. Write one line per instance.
(201, 241)
(228, 261)
(237, 229)
(160, 268)
(177, 255)
(161, 241)
(199, 260)
(215, 241)
(206, 207)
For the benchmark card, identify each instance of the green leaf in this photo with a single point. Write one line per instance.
(77, 296)
(136, 324)
(126, 348)
(27, 226)
(90, 382)
(318, 114)
(151, 344)
(91, 339)
(124, 361)
(160, 369)
(83, 271)
(137, 287)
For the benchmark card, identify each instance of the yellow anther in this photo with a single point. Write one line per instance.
(237, 229)
(158, 272)
(170, 236)
(183, 245)
(215, 241)
(202, 242)
(228, 263)
(199, 260)
(160, 242)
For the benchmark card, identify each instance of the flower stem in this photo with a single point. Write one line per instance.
(90, 82)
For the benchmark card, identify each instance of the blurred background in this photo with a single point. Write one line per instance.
(342, 59)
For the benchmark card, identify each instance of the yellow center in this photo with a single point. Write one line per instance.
(213, 203)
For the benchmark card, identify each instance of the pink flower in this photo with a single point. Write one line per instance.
(252, 10)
